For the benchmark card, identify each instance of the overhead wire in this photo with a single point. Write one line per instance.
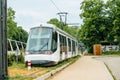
(60, 11)
(55, 5)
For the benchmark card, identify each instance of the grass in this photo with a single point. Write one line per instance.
(20, 72)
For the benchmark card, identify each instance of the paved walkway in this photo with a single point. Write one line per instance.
(113, 63)
(85, 68)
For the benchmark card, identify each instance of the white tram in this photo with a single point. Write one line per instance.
(49, 45)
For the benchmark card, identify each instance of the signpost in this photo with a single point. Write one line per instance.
(3, 39)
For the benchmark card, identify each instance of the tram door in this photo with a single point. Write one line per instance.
(63, 47)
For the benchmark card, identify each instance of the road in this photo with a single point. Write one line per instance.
(85, 68)
(113, 63)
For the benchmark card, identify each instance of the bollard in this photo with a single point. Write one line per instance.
(29, 65)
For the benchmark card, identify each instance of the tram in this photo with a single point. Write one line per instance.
(49, 45)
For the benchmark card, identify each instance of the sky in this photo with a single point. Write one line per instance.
(30, 13)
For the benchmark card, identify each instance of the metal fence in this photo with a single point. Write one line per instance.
(14, 46)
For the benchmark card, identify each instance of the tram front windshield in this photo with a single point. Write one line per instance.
(39, 39)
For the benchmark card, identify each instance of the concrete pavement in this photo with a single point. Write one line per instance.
(113, 62)
(85, 68)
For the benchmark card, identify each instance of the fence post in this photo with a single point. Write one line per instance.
(10, 45)
(22, 46)
(17, 46)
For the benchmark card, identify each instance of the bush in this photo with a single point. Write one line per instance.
(12, 59)
(21, 58)
(9, 61)
(111, 52)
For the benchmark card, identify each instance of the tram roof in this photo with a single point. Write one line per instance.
(55, 28)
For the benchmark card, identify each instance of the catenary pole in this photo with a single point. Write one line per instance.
(3, 39)
(63, 15)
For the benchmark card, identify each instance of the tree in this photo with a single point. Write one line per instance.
(57, 23)
(21, 35)
(15, 32)
(95, 21)
(101, 22)
(11, 24)
(54, 21)
(72, 30)
(113, 10)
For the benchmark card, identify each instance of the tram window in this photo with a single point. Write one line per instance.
(73, 45)
(61, 40)
(63, 43)
(54, 41)
(76, 44)
(69, 44)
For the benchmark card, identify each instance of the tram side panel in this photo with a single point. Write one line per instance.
(76, 48)
(67, 48)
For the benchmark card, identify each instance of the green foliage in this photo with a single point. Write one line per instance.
(70, 30)
(21, 35)
(12, 59)
(21, 59)
(111, 53)
(15, 32)
(12, 26)
(101, 22)
(55, 22)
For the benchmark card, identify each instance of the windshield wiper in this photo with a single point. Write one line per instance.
(43, 46)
